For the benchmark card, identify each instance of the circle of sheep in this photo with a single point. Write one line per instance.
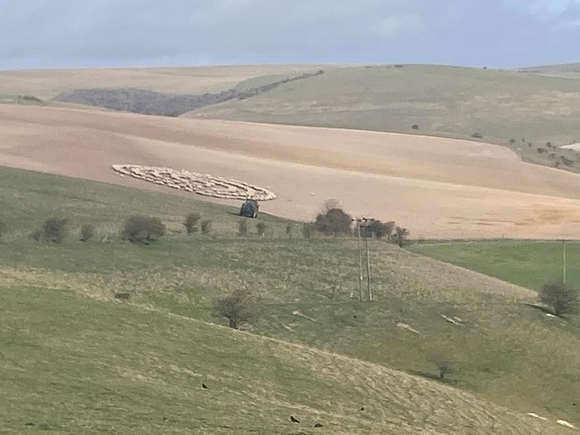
(202, 184)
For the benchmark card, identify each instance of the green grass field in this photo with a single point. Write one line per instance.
(526, 263)
(78, 361)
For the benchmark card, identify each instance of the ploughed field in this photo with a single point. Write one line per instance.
(436, 187)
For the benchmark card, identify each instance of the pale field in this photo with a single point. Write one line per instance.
(46, 84)
(438, 188)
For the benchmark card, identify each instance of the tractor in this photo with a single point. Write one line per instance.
(250, 208)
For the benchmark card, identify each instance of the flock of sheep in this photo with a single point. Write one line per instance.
(202, 184)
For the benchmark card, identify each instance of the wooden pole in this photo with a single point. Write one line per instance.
(360, 267)
(564, 261)
(370, 292)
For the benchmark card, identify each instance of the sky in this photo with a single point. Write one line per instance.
(126, 33)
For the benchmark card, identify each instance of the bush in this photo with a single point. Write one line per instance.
(378, 229)
(334, 222)
(242, 228)
(261, 228)
(2, 228)
(307, 230)
(561, 298)
(191, 222)
(238, 307)
(289, 230)
(53, 230)
(206, 226)
(415, 127)
(87, 233)
(401, 235)
(477, 136)
(512, 141)
(143, 229)
(443, 364)
(540, 150)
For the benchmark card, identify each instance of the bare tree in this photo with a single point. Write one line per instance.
(401, 235)
(87, 232)
(444, 365)
(561, 298)
(261, 228)
(191, 221)
(53, 230)
(238, 307)
(2, 228)
(242, 227)
(206, 226)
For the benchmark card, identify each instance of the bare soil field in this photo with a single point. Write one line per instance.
(436, 187)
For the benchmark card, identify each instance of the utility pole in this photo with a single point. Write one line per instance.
(370, 292)
(564, 261)
(360, 267)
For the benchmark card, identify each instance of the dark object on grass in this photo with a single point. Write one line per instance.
(294, 419)
(203, 386)
(318, 425)
(123, 296)
(250, 208)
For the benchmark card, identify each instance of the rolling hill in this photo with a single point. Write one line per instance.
(314, 352)
(438, 188)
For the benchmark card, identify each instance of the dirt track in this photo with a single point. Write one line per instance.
(436, 187)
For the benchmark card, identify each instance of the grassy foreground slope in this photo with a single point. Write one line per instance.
(503, 350)
(70, 365)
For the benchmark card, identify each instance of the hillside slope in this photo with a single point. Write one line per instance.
(436, 187)
(502, 349)
(441, 100)
(118, 369)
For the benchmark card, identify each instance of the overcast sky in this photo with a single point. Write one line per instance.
(95, 33)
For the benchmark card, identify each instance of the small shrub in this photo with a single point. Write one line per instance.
(289, 230)
(561, 298)
(401, 235)
(540, 150)
(238, 307)
(206, 226)
(549, 144)
(242, 228)
(523, 140)
(415, 127)
(512, 141)
(477, 136)
(2, 229)
(87, 232)
(378, 229)
(53, 230)
(307, 230)
(37, 235)
(191, 221)
(261, 229)
(444, 365)
(143, 229)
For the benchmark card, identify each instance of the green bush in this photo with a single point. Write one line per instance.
(142, 229)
